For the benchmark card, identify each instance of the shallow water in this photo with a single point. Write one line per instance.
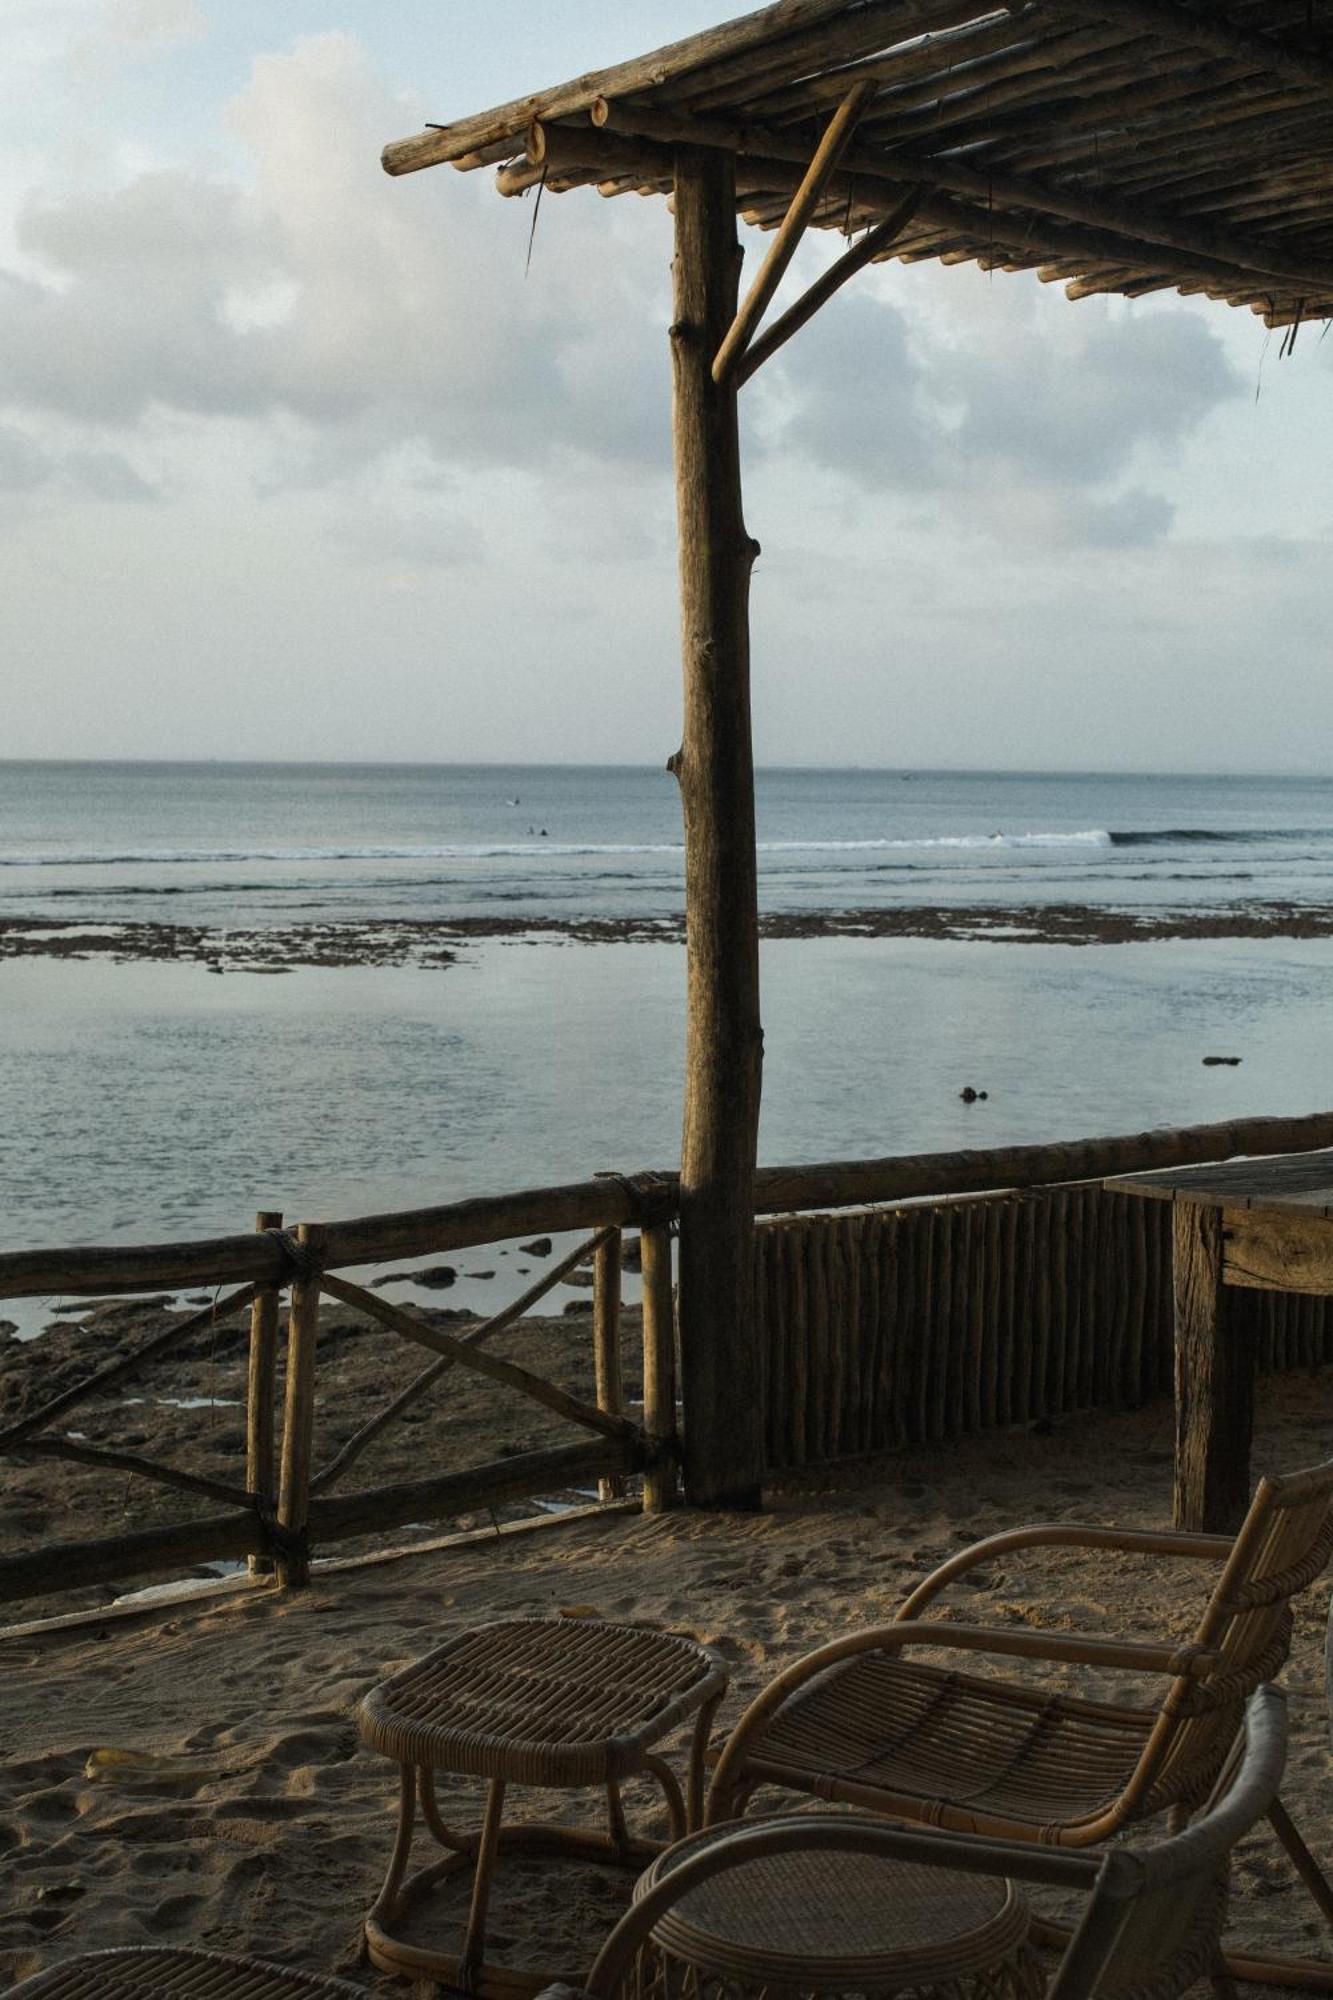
(157, 1101)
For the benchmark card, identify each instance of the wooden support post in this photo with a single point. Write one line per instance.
(299, 1414)
(260, 1385)
(715, 769)
(606, 1345)
(1214, 1380)
(659, 1369)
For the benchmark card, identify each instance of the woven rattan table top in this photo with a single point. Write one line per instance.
(162, 1973)
(834, 1921)
(545, 1701)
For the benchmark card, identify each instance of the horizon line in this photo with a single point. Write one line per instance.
(582, 764)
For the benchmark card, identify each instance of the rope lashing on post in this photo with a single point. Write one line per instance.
(654, 1198)
(299, 1259)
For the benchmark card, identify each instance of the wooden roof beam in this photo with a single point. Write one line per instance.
(1068, 204)
(1200, 31)
(1034, 236)
(664, 65)
(783, 247)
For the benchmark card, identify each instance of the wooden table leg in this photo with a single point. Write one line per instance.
(1214, 1380)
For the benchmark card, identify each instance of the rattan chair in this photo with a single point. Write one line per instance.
(861, 1723)
(1149, 1928)
(171, 1972)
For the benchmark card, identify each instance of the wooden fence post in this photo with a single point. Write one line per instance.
(259, 1391)
(660, 1484)
(293, 1563)
(606, 1345)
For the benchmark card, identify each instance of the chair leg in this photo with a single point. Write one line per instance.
(488, 1846)
(1223, 1985)
(1302, 1860)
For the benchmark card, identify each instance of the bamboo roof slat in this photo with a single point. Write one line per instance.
(1121, 145)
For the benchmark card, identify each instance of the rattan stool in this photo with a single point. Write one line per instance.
(815, 1922)
(163, 1972)
(552, 1702)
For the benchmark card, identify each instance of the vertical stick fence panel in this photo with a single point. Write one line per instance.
(606, 1345)
(660, 1481)
(299, 1415)
(261, 1384)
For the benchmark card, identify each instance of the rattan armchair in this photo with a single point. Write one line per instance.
(177, 1972)
(1149, 1926)
(861, 1722)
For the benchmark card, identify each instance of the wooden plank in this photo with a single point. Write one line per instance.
(1214, 1382)
(1277, 1251)
(1298, 1183)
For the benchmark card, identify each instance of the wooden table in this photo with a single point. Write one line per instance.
(1262, 1225)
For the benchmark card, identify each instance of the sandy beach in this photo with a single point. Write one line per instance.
(280, 1849)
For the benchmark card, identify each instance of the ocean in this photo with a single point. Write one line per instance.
(225, 844)
(149, 1100)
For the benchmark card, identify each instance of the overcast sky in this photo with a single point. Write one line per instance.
(296, 461)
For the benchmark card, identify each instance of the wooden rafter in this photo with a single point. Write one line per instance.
(1202, 31)
(962, 200)
(875, 243)
(1136, 221)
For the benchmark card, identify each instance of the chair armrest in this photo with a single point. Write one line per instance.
(1069, 1535)
(1132, 1655)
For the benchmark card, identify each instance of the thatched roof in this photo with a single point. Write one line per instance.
(1116, 145)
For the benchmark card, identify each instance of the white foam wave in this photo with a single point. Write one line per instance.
(520, 850)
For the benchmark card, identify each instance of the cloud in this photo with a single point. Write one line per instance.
(1028, 426)
(152, 23)
(375, 313)
(351, 319)
(28, 466)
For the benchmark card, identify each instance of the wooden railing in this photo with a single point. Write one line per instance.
(909, 1324)
(286, 1506)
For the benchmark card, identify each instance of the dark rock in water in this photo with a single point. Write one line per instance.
(579, 1306)
(435, 1277)
(1221, 1062)
(970, 1096)
(540, 1246)
(199, 1299)
(480, 1274)
(579, 1277)
(8, 1328)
